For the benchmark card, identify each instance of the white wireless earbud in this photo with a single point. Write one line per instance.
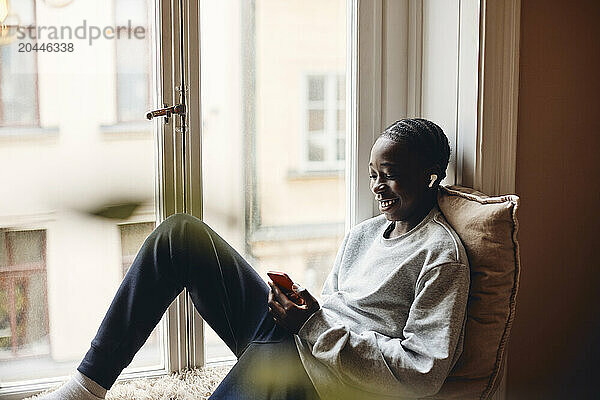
(432, 180)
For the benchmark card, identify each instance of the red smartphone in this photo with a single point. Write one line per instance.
(284, 282)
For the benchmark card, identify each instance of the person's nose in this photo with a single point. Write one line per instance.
(378, 186)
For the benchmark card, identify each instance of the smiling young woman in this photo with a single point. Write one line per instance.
(389, 323)
(408, 161)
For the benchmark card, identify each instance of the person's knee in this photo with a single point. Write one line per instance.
(181, 228)
(179, 221)
(178, 235)
(179, 218)
(186, 238)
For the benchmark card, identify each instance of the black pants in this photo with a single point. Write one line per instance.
(184, 252)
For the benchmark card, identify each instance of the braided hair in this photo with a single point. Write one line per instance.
(423, 137)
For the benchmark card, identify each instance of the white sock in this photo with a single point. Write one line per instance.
(79, 387)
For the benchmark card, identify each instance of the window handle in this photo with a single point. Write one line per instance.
(166, 112)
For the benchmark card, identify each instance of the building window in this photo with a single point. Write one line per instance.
(18, 71)
(24, 323)
(132, 238)
(133, 60)
(324, 122)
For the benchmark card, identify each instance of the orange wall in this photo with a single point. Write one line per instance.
(554, 351)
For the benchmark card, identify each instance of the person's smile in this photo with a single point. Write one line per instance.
(387, 204)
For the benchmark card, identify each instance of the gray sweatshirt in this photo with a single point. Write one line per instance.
(392, 313)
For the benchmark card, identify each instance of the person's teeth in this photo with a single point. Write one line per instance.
(387, 203)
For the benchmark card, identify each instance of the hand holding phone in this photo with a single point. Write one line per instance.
(285, 283)
(289, 308)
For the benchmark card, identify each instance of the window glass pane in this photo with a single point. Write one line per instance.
(341, 88)
(133, 61)
(316, 120)
(23, 318)
(3, 252)
(132, 91)
(315, 152)
(268, 86)
(329, 122)
(316, 88)
(132, 238)
(341, 149)
(62, 256)
(341, 120)
(34, 317)
(18, 92)
(26, 246)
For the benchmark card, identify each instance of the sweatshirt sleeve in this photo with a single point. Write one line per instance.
(414, 365)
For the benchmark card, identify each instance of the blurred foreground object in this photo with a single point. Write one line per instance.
(116, 211)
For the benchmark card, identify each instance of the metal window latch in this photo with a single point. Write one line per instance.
(166, 112)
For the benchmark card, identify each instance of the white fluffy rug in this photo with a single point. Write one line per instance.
(193, 384)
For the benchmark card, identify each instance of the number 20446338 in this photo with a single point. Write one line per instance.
(46, 47)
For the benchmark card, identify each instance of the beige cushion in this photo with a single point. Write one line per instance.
(488, 228)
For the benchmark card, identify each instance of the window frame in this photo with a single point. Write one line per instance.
(384, 81)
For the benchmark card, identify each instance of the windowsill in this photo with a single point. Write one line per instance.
(316, 174)
(228, 361)
(127, 130)
(20, 133)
